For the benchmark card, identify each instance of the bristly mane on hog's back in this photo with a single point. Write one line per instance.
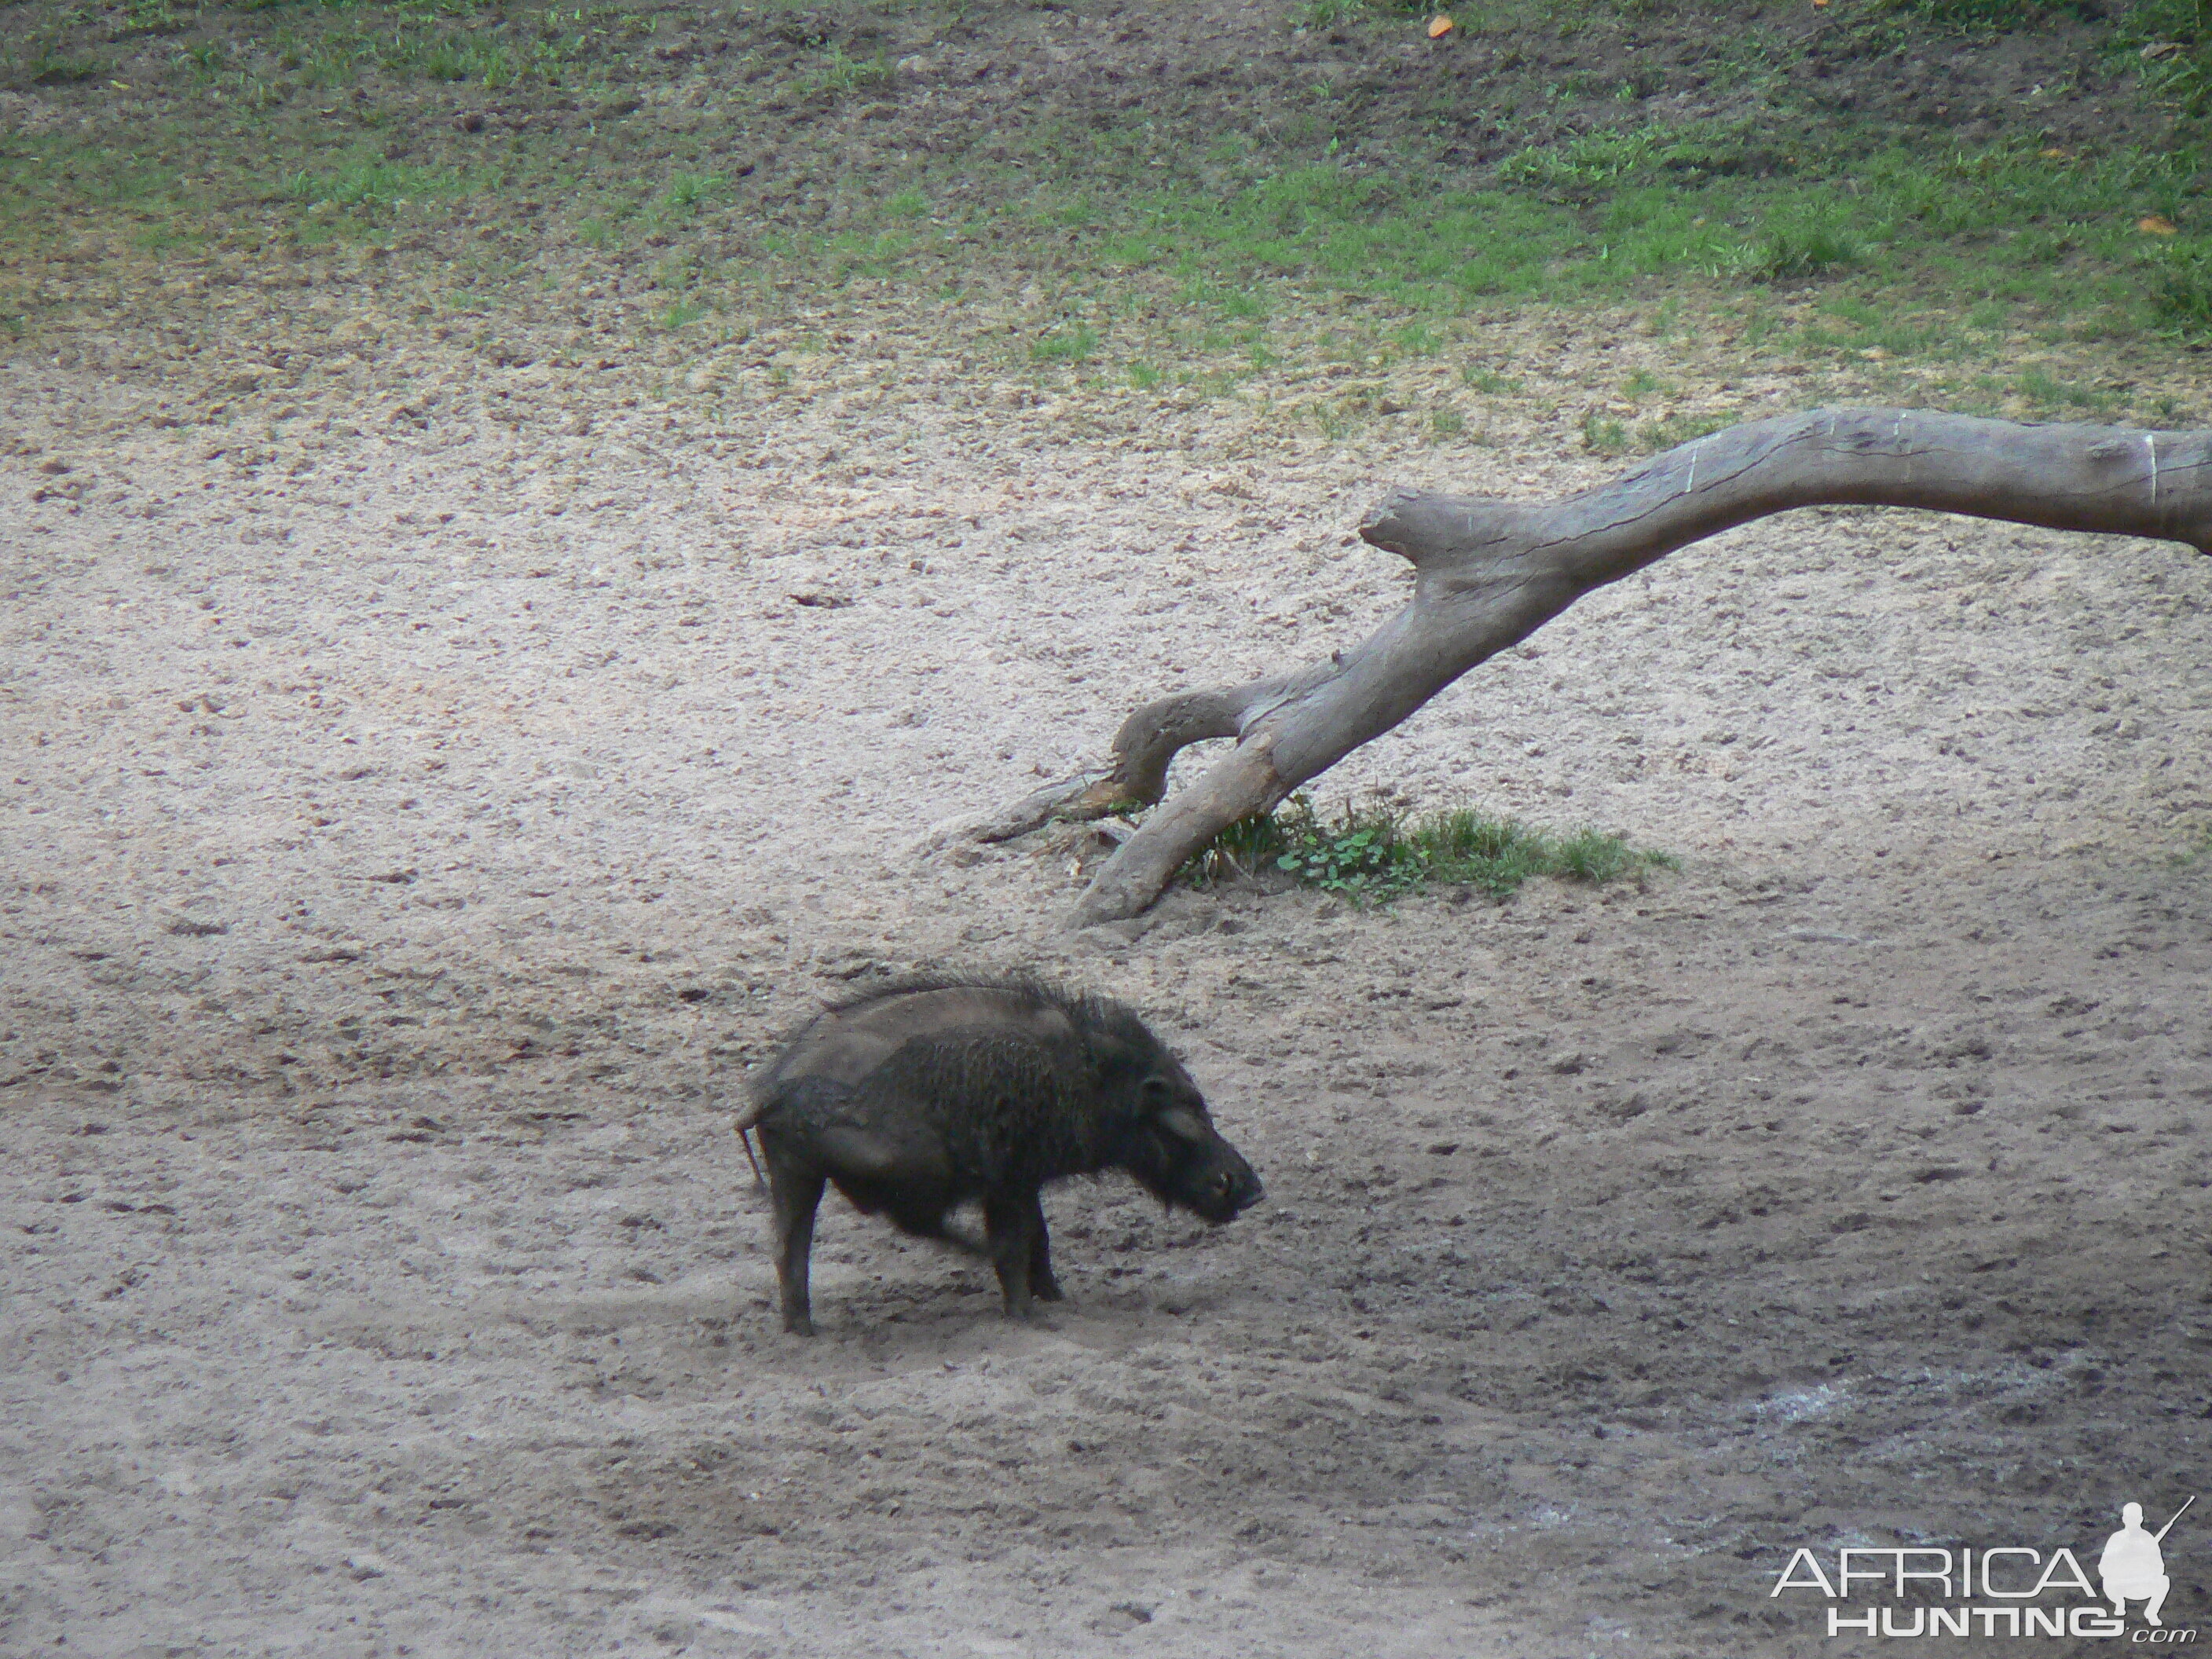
(1084, 1007)
(1085, 1011)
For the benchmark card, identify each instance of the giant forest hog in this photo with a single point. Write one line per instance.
(913, 1099)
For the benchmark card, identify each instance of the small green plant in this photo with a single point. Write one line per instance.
(1668, 430)
(1602, 434)
(375, 185)
(1331, 13)
(1377, 855)
(1447, 424)
(2045, 391)
(1792, 250)
(1143, 376)
(1335, 424)
(839, 73)
(1418, 339)
(1487, 380)
(2181, 288)
(153, 16)
(1580, 167)
(1065, 345)
(686, 191)
(681, 312)
(1364, 857)
(53, 69)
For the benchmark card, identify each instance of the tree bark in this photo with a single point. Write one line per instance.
(1487, 573)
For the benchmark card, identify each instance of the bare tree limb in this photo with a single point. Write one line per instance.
(1489, 573)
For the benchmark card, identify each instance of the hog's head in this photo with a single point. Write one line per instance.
(1168, 1140)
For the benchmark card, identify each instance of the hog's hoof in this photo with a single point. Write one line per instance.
(797, 1325)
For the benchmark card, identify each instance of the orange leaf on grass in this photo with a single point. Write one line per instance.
(1439, 26)
(2152, 224)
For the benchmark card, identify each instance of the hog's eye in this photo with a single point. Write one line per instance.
(1156, 1088)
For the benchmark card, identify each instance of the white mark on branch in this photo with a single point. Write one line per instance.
(1691, 489)
(2151, 439)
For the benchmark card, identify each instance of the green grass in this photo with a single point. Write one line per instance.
(836, 74)
(687, 191)
(374, 184)
(2181, 288)
(1374, 855)
(1666, 431)
(1223, 249)
(1068, 344)
(1604, 435)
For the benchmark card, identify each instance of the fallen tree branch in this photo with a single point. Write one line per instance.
(1487, 573)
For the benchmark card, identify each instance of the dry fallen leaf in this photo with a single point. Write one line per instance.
(1819, 5)
(1439, 26)
(2055, 154)
(2158, 49)
(2152, 224)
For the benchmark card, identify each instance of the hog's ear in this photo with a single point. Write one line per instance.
(1183, 1123)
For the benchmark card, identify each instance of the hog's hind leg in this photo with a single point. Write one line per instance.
(797, 1194)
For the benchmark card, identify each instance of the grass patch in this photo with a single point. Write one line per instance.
(1667, 431)
(1602, 434)
(688, 191)
(368, 184)
(1485, 380)
(2180, 282)
(610, 136)
(1793, 250)
(837, 73)
(1065, 345)
(1374, 855)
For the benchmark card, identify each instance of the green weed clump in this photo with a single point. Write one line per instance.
(2181, 288)
(1790, 251)
(1375, 854)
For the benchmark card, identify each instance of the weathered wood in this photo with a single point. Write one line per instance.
(1489, 573)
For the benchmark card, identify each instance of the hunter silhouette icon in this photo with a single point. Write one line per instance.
(2132, 1566)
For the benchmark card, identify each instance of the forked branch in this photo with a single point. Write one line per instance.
(1488, 573)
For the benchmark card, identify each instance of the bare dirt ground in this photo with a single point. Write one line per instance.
(420, 807)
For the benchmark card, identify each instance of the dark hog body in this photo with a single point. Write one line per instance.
(929, 1094)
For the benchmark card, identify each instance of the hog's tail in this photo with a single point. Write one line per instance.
(745, 1140)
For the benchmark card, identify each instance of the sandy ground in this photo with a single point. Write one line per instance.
(416, 819)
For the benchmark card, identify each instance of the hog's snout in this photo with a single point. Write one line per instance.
(1226, 1193)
